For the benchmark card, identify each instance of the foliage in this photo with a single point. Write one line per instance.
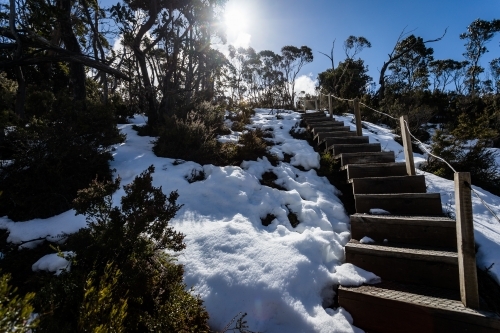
(465, 156)
(99, 313)
(123, 262)
(53, 157)
(15, 312)
(349, 79)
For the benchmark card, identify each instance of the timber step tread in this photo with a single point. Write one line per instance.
(317, 130)
(403, 251)
(322, 137)
(402, 219)
(324, 124)
(406, 263)
(391, 184)
(366, 157)
(346, 140)
(355, 148)
(399, 203)
(375, 170)
(424, 309)
(439, 232)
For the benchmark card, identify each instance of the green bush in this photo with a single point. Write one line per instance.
(123, 254)
(15, 312)
(464, 156)
(52, 158)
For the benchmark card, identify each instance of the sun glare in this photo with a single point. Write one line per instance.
(235, 19)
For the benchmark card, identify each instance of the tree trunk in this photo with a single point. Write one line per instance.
(77, 70)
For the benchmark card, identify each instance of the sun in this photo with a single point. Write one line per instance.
(235, 19)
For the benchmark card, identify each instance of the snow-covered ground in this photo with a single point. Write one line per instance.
(281, 276)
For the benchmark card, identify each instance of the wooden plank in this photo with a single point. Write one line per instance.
(465, 241)
(338, 149)
(326, 121)
(390, 307)
(409, 265)
(375, 170)
(401, 204)
(357, 116)
(317, 130)
(365, 157)
(438, 232)
(350, 140)
(311, 126)
(382, 185)
(335, 134)
(405, 136)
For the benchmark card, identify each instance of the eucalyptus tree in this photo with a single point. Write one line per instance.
(292, 60)
(478, 34)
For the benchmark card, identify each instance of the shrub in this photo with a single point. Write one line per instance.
(189, 139)
(123, 252)
(15, 312)
(473, 157)
(54, 157)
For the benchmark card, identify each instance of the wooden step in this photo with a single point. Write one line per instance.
(438, 232)
(391, 307)
(314, 115)
(384, 185)
(316, 130)
(366, 157)
(320, 137)
(338, 149)
(401, 203)
(326, 121)
(430, 267)
(354, 140)
(319, 124)
(375, 170)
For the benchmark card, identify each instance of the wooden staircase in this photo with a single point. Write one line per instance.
(415, 249)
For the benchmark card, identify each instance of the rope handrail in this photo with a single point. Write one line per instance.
(422, 145)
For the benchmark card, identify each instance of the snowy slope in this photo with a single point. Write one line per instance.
(281, 276)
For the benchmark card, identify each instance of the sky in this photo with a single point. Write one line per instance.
(265, 24)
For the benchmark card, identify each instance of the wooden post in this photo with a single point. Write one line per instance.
(465, 241)
(316, 104)
(405, 136)
(330, 106)
(357, 115)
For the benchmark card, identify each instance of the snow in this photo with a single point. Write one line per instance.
(379, 211)
(366, 240)
(53, 263)
(283, 277)
(350, 275)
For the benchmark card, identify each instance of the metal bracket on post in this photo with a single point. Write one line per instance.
(405, 136)
(357, 115)
(465, 241)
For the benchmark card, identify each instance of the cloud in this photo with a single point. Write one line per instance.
(243, 40)
(305, 83)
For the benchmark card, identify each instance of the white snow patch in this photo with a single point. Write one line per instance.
(366, 240)
(53, 263)
(378, 211)
(350, 275)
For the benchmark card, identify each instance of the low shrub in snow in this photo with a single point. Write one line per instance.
(122, 278)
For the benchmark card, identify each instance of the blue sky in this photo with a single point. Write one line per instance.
(271, 24)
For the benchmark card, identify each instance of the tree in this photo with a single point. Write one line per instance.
(349, 79)
(352, 46)
(293, 59)
(410, 71)
(397, 53)
(478, 34)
